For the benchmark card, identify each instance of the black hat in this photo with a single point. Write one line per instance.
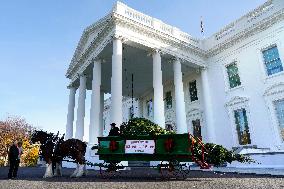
(113, 124)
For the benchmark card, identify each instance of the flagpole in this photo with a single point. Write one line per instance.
(202, 27)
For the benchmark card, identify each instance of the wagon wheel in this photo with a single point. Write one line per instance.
(173, 169)
(109, 169)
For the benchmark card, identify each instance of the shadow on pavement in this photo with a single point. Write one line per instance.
(141, 175)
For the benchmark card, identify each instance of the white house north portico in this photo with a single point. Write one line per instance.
(118, 46)
(202, 86)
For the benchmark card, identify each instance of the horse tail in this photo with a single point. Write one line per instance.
(84, 146)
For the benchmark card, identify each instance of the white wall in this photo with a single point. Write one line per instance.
(248, 55)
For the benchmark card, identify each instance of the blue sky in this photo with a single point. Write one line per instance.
(38, 39)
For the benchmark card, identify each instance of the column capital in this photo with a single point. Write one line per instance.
(98, 60)
(154, 51)
(203, 68)
(174, 58)
(119, 37)
(71, 87)
(82, 75)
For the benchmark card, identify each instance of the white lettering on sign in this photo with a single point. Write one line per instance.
(140, 147)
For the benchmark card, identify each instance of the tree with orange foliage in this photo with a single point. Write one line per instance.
(16, 128)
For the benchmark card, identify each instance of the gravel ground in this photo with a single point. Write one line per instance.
(31, 178)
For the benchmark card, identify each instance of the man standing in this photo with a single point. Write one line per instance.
(114, 131)
(15, 152)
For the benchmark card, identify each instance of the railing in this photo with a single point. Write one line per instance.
(260, 11)
(154, 23)
(201, 162)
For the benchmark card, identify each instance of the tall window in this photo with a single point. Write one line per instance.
(169, 127)
(168, 100)
(233, 75)
(150, 108)
(196, 128)
(279, 106)
(272, 61)
(242, 126)
(104, 124)
(131, 112)
(193, 91)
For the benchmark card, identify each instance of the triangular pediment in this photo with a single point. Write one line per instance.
(274, 89)
(237, 100)
(88, 36)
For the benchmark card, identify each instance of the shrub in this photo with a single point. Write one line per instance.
(218, 155)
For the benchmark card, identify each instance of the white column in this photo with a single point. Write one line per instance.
(116, 83)
(95, 104)
(81, 108)
(70, 115)
(179, 98)
(101, 127)
(140, 107)
(207, 105)
(159, 117)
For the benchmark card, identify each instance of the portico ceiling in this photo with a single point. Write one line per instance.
(137, 61)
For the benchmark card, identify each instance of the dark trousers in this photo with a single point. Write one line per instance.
(14, 164)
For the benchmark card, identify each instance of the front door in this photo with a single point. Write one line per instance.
(196, 128)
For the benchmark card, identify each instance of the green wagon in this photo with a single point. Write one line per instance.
(171, 150)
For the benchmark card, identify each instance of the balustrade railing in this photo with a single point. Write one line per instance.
(151, 22)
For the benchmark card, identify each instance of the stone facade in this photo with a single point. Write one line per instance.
(243, 115)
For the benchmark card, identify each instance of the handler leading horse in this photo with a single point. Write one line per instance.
(54, 149)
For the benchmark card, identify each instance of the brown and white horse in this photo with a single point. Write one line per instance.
(54, 149)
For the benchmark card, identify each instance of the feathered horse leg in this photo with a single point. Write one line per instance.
(80, 170)
(76, 171)
(58, 169)
(48, 171)
(85, 171)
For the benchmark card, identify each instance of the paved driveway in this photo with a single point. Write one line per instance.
(31, 178)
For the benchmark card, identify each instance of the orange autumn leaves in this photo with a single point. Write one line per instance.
(16, 128)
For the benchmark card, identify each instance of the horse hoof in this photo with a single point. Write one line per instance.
(47, 176)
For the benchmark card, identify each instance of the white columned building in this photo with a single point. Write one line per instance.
(207, 106)
(159, 117)
(70, 115)
(81, 108)
(179, 98)
(95, 111)
(116, 82)
(227, 88)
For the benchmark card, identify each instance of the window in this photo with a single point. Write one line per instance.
(131, 112)
(272, 61)
(233, 75)
(193, 91)
(168, 100)
(104, 124)
(196, 128)
(169, 127)
(242, 126)
(279, 106)
(150, 108)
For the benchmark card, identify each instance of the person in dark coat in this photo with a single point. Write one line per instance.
(14, 156)
(114, 131)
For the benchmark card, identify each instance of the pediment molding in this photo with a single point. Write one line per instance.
(237, 100)
(276, 88)
(194, 112)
